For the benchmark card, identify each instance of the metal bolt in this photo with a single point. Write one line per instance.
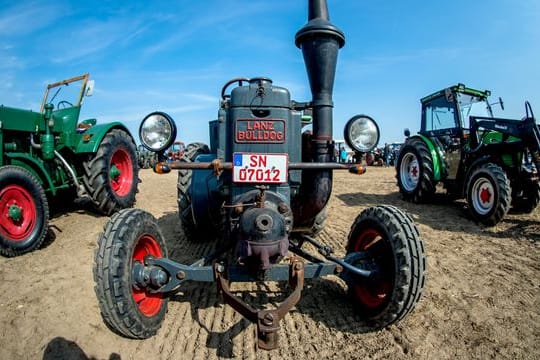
(180, 275)
(282, 208)
(268, 319)
(220, 268)
(298, 266)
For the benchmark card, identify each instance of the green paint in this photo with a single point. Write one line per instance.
(15, 213)
(435, 156)
(95, 134)
(36, 167)
(114, 172)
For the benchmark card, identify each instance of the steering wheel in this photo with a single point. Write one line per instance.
(64, 104)
(230, 82)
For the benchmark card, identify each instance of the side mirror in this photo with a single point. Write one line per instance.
(407, 132)
(89, 88)
(501, 103)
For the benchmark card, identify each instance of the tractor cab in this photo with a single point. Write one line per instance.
(445, 119)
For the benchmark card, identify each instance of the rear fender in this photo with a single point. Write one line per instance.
(436, 154)
(92, 137)
(34, 167)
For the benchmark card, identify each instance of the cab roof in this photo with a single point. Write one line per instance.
(459, 88)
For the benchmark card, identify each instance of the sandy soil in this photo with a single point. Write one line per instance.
(482, 297)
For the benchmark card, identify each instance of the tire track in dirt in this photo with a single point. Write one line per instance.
(470, 308)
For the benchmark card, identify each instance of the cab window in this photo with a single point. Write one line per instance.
(439, 114)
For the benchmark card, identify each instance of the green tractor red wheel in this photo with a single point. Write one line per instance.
(24, 212)
(415, 172)
(111, 174)
(385, 240)
(130, 308)
(488, 193)
(121, 172)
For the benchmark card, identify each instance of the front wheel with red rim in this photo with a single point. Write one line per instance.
(128, 239)
(384, 240)
(111, 175)
(24, 212)
(489, 194)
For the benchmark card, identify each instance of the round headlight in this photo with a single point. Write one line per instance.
(157, 131)
(361, 133)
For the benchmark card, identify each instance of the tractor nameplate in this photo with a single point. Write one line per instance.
(260, 168)
(268, 131)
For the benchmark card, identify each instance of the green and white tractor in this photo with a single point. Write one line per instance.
(492, 162)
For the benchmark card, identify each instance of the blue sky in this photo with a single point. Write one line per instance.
(175, 56)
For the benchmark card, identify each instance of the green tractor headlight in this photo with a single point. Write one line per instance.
(157, 131)
(361, 133)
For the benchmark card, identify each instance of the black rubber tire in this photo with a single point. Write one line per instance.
(394, 245)
(528, 199)
(112, 273)
(28, 186)
(185, 211)
(488, 177)
(96, 173)
(424, 188)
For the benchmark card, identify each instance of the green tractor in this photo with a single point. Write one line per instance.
(491, 162)
(48, 153)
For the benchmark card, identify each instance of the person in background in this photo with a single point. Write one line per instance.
(343, 155)
(386, 155)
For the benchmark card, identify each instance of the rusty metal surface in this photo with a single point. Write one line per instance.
(267, 320)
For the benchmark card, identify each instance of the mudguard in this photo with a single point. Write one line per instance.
(35, 167)
(92, 137)
(436, 154)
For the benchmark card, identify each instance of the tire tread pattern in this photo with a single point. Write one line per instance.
(502, 188)
(21, 175)
(96, 173)
(426, 184)
(112, 260)
(409, 254)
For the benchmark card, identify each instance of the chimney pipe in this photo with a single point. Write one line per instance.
(320, 42)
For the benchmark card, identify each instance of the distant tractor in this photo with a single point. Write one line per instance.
(491, 162)
(146, 158)
(176, 151)
(47, 153)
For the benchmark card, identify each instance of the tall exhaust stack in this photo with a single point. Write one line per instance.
(320, 42)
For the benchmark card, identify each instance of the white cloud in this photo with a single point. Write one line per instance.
(92, 37)
(25, 18)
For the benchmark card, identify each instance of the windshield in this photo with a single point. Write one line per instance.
(470, 105)
(65, 93)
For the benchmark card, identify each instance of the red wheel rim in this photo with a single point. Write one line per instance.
(374, 294)
(121, 183)
(17, 230)
(149, 304)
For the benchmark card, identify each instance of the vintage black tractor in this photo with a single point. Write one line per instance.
(491, 162)
(49, 153)
(260, 189)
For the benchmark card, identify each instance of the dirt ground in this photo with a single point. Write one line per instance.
(482, 296)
